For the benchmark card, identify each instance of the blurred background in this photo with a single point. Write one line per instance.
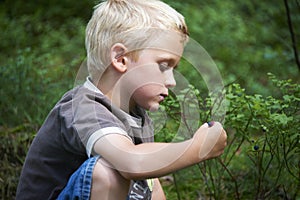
(42, 48)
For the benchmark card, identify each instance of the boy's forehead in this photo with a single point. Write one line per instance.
(168, 41)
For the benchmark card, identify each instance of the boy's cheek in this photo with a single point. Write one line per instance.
(142, 75)
(147, 91)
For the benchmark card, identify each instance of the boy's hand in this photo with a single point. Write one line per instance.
(210, 140)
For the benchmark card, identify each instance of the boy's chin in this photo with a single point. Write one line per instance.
(154, 108)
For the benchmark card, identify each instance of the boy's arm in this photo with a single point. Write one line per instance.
(149, 160)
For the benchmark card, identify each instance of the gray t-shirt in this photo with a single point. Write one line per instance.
(66, 140)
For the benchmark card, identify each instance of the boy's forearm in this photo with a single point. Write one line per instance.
(149, 159)
(158, 159)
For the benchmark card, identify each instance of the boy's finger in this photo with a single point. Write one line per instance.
(216, 127)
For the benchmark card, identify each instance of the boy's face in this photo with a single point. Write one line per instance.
(148, 79)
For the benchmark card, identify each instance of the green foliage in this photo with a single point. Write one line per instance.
(37, 62)
(14, 144)
(263, 146)
(246, 39)
(29, 88)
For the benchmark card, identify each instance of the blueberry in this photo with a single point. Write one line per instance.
(256, 147)
(211, 123)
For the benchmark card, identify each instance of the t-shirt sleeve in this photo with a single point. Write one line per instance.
(92, 120)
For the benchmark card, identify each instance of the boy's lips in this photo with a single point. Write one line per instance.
(162, 97)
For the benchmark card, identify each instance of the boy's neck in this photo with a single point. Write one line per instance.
(110, 86)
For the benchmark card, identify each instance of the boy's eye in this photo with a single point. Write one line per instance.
(164, 66)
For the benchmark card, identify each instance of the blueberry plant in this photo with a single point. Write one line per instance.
(262, 159)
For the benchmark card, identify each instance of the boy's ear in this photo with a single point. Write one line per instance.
(118, 57)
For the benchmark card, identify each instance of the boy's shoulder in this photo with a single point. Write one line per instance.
(84, 91)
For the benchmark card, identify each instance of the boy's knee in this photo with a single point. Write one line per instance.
(107, 179)
(101, 175)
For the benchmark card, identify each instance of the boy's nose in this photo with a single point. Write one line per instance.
(170, 80)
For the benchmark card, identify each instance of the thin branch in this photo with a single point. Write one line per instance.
(237, 196)
(293, 37)
(298, 3)
(205, 177)
(176, 186)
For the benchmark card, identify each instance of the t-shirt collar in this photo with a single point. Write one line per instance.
(90, 85)
(133, 121)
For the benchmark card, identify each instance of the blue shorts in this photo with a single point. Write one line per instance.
(80, 183)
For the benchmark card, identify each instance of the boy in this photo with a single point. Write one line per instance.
(97, 142)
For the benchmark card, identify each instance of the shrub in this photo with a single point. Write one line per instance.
(14, 144)
(262, 159)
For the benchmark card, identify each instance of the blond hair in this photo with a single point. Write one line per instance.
(129, 22)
